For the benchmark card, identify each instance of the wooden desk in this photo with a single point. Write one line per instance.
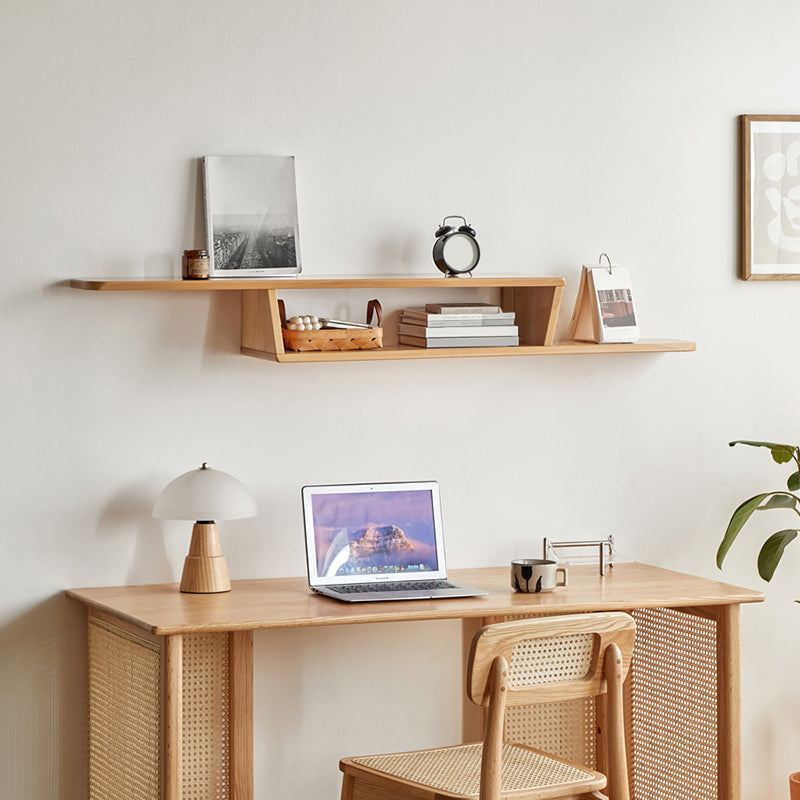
(171, 677)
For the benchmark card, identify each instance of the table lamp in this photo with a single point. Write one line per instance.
(205, 495)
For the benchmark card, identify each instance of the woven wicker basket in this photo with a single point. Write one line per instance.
(335, 339)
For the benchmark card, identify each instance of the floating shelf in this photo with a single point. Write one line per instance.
(535, 301)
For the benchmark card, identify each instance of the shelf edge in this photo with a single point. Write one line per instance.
(407, 353)
(311, 282)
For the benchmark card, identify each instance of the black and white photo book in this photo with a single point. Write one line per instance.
(251, 216)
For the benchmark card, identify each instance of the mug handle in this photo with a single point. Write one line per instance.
(563, 571)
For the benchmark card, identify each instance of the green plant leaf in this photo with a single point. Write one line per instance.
(740, 516)
(780, 500)
(793, 483)
(781, 453)
(771, 552)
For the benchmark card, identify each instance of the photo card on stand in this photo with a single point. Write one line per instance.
(604, 309)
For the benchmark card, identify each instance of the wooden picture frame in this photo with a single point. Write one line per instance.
(770, 197)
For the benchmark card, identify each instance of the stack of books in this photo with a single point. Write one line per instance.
(458, 325)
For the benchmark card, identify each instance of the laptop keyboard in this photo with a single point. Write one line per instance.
(397, 586)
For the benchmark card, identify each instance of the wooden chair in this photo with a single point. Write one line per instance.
(524, 662)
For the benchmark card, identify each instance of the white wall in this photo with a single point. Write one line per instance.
(561, 130)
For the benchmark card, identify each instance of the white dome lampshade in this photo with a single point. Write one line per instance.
(205, 495)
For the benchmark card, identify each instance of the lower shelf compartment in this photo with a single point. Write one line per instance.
(396, 352)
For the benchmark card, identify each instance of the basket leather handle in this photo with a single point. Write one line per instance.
(374, 306)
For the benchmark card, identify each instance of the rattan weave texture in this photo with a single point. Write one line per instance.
(206, 717)
(124, 715)
(567, 729)
(674, 706)
(457, 769)
(556, 658)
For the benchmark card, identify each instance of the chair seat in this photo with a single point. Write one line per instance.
(455, 771)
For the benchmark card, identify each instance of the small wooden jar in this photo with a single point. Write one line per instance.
(195, 265)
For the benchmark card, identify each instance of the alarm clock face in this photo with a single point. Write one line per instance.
(460, 252)
(457, 253)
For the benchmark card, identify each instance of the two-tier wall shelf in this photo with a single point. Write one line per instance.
(535, 301)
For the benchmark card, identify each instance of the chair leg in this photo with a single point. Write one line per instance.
(617, 767)
(347, 786)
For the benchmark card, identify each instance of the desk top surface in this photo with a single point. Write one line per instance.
(288, 603)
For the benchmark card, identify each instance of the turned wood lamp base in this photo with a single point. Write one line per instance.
(205, 570)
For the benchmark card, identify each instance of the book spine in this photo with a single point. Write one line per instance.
(207, 214)
(466, 341)
(440, 308)
(453, 332)
(445, 320)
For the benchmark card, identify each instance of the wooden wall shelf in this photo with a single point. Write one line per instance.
(535, 301)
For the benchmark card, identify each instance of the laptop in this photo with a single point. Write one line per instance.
(379, 541)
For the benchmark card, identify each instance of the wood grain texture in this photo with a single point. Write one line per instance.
(173, 717)
(492, 760)
(261, 329)
(729, 726)
(241, 710)
(205, 569)
(536, 312)
(309, 282)
(536, 301)
(615, 670)
(567, 348)
(472, 717)
(288, 603)
(745, 195)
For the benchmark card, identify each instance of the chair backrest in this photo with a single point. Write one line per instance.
(549, 658)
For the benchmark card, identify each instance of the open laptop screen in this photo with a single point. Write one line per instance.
(365, 532)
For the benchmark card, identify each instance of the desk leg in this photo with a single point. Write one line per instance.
(241, 710)
(173, 717)
(729, 724)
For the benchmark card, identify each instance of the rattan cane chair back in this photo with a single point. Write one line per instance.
(549, 659)
(523, 662)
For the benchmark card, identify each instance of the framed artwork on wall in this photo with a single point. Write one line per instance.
(770, 197)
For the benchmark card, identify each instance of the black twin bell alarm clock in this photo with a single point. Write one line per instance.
(456, 250)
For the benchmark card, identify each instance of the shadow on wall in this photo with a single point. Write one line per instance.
(43, 721)
(128, 513)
